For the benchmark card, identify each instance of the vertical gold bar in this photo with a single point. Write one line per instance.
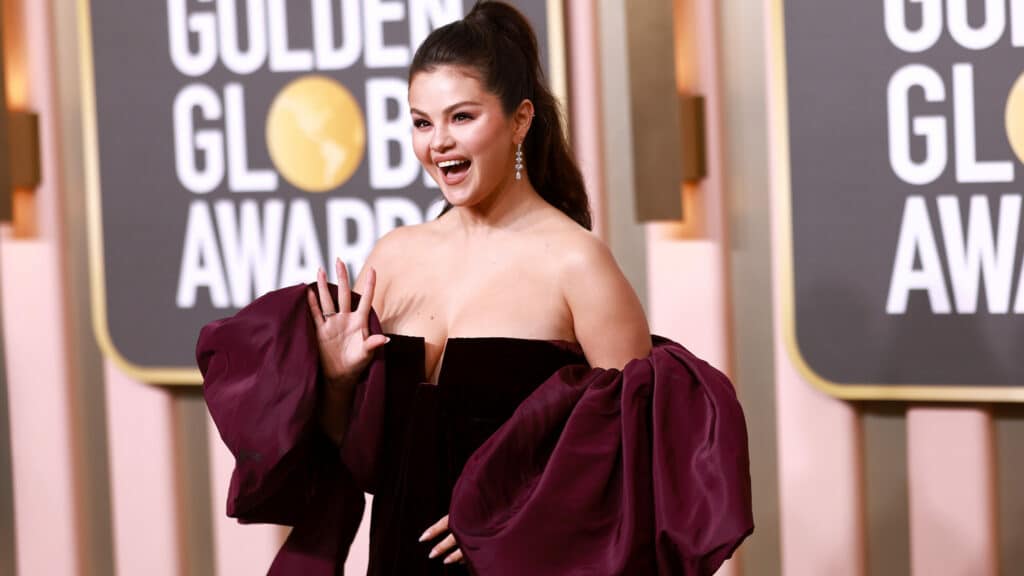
(691, 122)
(23, 149)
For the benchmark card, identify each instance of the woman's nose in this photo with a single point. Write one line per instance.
(441, 139)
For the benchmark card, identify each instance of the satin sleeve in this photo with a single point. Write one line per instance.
(643, 471)
(262, 386)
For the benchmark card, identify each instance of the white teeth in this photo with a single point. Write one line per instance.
(450, 163)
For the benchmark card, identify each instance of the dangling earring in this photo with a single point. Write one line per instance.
(519, 161)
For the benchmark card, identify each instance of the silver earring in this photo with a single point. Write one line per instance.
(519, 161)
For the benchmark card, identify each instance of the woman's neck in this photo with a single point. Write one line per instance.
(505, 209)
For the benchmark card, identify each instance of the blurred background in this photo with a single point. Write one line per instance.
(819, 197)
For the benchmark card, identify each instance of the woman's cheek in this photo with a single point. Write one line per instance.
(421, 149)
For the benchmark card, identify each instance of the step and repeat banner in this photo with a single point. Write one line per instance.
(904, 128)
(235, 146)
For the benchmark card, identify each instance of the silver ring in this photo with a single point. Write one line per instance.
(328, 315)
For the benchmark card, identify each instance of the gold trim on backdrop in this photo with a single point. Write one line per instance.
(170, 375)
(783, 234)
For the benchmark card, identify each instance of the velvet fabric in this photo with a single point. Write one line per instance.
(545, 465)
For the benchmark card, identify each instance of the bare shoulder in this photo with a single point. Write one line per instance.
(582, 252)
(608, 319)
(394, 248)
(390, 259)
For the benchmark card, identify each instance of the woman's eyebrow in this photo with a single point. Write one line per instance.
(448, 109)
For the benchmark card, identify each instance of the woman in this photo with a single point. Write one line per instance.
(482, 309)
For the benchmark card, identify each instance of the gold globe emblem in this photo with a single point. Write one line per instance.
(1015, 117)
(315, 133)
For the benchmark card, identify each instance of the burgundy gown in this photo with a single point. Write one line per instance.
(545, 465)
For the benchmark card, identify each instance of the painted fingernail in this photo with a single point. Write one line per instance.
(433, 554)
(426, 534)
(450, 559)
(386, 340)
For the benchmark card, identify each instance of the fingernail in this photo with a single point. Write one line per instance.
(449, 560)
(426, 534)
(433, 554)
(386, 340)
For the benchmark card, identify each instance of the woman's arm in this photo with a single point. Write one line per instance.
(607, 317)
(336, 403)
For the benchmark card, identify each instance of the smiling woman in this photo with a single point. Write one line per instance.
(496, 387)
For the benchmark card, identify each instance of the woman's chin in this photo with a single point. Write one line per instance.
(458, 196)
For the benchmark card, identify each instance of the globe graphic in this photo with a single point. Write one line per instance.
(1015, 117)
(315, 133)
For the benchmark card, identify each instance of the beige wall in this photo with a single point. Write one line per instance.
(110, 475)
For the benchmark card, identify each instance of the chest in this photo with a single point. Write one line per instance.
(439, 299)
(438, 303)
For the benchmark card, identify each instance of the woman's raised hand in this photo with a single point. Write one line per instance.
(343, 336)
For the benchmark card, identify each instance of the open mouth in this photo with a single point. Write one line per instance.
(453, 169)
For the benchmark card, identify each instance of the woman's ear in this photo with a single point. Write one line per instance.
(522, 118)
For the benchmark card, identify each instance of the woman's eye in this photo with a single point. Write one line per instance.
(461, 117)
(420, 123)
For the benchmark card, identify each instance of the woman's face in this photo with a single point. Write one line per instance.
(461, 134)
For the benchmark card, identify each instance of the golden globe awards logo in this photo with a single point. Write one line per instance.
(980, 245)
(254, 227)
(904, 128)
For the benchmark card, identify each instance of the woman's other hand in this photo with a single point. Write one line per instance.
(344, 341)
(442, 547)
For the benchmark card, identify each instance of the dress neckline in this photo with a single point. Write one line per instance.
(568, 345)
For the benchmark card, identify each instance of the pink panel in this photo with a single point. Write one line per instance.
(820, 500)
(142, 475)
(585, 104)
(238, 549)
(37, 389)
(687, 296)
(359, 555)
(952, 492)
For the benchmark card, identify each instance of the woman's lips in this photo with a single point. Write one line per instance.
(453, 175)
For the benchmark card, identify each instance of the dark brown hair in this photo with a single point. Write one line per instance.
(496, 41)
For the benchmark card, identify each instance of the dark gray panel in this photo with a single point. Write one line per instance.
(848, 201)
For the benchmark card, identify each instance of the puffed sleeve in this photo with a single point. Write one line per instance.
(643, 471)
(262, 384)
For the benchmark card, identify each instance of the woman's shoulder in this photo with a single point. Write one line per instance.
(579, 251)
(401, 243)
